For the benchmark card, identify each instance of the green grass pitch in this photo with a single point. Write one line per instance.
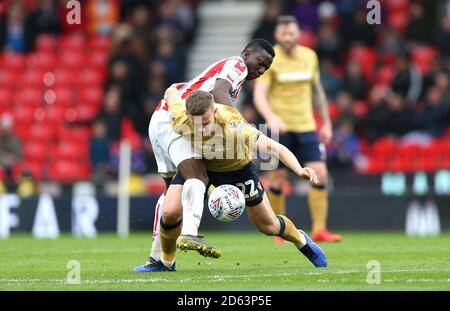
(250, 261)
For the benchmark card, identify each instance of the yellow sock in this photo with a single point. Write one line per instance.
(318, 207)
(169, 235)
(291, 232)
(277, 201)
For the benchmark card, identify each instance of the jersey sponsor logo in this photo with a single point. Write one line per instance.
(295, 76)
(240, 66)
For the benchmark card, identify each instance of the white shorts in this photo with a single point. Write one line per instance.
(170, 148)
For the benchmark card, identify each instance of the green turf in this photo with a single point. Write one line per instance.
(250, 261)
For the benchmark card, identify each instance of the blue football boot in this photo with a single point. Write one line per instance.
(313, 252)
(152, 265)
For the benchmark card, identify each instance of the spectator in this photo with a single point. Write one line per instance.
(419, 27)
(111, 114)
(329, 44)
(330, 81)
(306, 13)
(408, 80)
(99, 151)
(101, 16)
(266, 27)
(434, 118)
(10, 151)
(16, 30)
(443, 37)
(354, 82)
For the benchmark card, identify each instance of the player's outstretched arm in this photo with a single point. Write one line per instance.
(276, 149)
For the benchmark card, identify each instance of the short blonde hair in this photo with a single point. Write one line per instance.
(199, 102)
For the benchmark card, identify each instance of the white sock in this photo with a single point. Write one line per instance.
(302, 240)
(156, 251)
(168, 264)
(192, 202)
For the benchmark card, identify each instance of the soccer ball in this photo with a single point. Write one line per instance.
(226, 203)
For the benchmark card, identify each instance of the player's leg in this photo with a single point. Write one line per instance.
(190, 240)
(265, 220)
(169, 226)
(314, 156)
(277, 178)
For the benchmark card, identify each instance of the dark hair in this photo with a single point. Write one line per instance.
(286, 19)
(260, 44)
(198, 102)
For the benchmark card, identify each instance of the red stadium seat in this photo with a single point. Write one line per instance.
(9, 78)
(55, 114)
(385, 146)
(35, 168)
(35, 150)
(307, 39)
(6, 98)
(359, 108)
(71, 60)
(69, 150)
(68, 171)
(42, 132)
(29, 97)
(424, 58)
(13, 61)
(46, 43)
(85, 113)
(385, 75)
(91, 78)
(24, 114)
(99, 44)
(32, 78)
(74, 42)
(97, 60)
(65, 77)
(41, 60)
(76, 134)
(92, 96)
(63, 96)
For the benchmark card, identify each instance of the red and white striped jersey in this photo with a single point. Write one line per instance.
(231, 69)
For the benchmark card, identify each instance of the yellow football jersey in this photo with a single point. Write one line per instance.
(290, 79)
(228, 147)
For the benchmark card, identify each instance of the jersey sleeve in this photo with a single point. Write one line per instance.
(316, 69)
(234, 71)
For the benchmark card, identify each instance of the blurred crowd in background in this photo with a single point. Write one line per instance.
(387, 80)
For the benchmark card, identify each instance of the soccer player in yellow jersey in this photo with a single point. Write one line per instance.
(222, 137)
(284, 97)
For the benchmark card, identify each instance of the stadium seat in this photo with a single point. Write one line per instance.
(68, 150)
(359, 108)
(41, 60)
(385, 75)
(46, 43)
(13, 61)
(55, 114)
(84, 113)
(63, 96)
(308, 39)
(35, 150)
(76, 134)
(74, 42)
(65, 77)
(91, 78)
(424, 58)
(91, 96)
(24, 114)
(35, 168)
(97, 60)
(29, 96)
(71, 60)
(9, 78)
(99, 44)
(32, 78)
(6, 97)
(42, 132)
(384, 146)
(68, 171)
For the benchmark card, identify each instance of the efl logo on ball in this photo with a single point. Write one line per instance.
(226, 203)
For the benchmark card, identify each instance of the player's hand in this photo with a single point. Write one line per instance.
(172, 94)
(275, 123)
(325, 134)
(309, 174)
(178, 85)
